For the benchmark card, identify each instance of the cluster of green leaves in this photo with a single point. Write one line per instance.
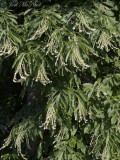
(68, 52)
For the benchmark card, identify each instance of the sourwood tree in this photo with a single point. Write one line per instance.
(60, 80)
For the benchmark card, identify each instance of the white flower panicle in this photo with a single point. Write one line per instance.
(40, 30)
(42, 76)
(83, 22)
(50, 117)
(105, 41)
(76, 55)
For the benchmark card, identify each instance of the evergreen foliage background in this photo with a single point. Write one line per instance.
(60, 80)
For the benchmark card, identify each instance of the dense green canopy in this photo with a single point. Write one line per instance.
(60, 80)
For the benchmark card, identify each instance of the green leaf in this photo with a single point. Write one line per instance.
(97, 129)
(15, 38)
(87, 128)
(39, 150)
(60, 155)
(114, 119)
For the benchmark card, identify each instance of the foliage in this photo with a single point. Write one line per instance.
(62, 63)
